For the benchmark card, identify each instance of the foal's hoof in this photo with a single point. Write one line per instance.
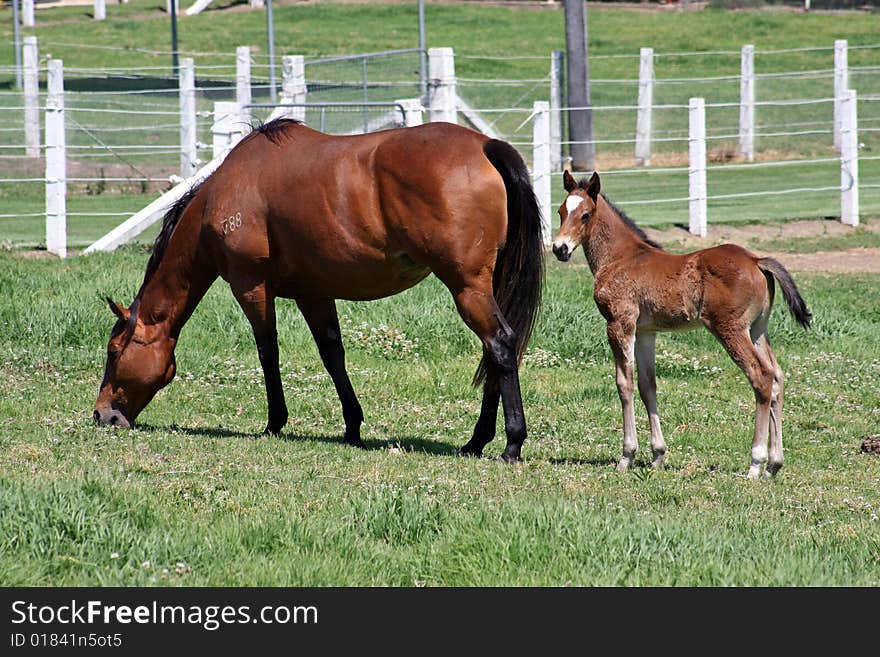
(624, 464)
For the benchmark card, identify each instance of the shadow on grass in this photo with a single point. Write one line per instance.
(407, 444)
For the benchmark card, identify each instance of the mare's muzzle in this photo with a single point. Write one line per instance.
(112, 418)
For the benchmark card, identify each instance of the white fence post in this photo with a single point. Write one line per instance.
(258, 4)
(849, 160)
(31, 97)
(27, 13)
(541, 163)
(841, 85)
(557, 82)
(243, 82)
(189, 155)
(646, 100)
(747, 103)
(100, 13)
(293, 85)
(56, 163)
(442, 94)
(227, 129)
(697, 166)
(412, 112)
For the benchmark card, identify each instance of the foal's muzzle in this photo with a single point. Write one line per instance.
(112, 418)
(561, 251)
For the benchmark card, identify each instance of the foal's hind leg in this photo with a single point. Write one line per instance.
(621, 337)
(477, 307)
(259, 307)
(323, 322)
(645, 364)
(774, 465)
(759, 370)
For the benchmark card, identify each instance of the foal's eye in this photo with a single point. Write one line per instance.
(586, 216)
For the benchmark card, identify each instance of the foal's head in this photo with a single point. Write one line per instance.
(575, 214)
(140, 362)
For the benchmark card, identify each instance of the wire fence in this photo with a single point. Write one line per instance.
(124, 141)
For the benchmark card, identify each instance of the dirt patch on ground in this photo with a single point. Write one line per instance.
(851, 260)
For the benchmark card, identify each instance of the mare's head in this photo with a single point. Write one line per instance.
(140, 362)
(575, 213)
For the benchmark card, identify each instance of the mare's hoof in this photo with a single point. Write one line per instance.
(510, 458)
(355, 442)
(272, 431)
(469, 450)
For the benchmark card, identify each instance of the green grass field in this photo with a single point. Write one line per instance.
(196, 496)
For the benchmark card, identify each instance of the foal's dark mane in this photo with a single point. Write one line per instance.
(632, 225)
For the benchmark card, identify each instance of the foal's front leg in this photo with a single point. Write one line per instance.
(621, 337)
(647, 373)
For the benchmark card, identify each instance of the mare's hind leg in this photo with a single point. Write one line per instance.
(759, 371)
(259, 307)
(762, 343)
(621, 337)
(645, 364)
(323, 322)
(484, 431)
(477, 307)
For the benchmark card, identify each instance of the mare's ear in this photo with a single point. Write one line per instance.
(119, 311)
(594, 186)
(568, 182)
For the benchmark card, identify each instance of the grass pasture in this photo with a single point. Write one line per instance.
(196, 496)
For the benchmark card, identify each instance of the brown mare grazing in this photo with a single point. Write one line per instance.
(295, 213)
(641, 289)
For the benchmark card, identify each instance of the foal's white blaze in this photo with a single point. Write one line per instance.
(572, 203)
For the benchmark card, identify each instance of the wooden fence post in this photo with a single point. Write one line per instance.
(412, 112)
(841, 85)
(697, 165)
(31, 97)
(56, 163)
(747, 103)
(243, 95)
(849, 160)
(227, 129)
(646, 100)
(442, 94)
(293, 85)
(189, 155)
(541, 164)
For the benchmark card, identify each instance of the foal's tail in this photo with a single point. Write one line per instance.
(795, 302)
(519, 270)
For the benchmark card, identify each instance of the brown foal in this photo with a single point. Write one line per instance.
(299, 214)
(641, 290)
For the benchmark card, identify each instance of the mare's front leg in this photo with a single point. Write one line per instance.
(320, 315)
(477, 307)
(621, 337)
(259, 307)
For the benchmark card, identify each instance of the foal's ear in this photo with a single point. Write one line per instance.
(569, 182)
(119, 311)
(594, 186)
